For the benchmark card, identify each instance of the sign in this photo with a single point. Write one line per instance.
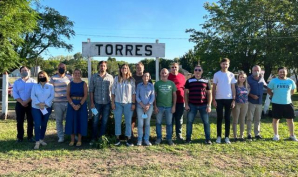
(120, 49)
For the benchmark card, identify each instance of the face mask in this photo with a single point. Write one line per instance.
(42, 79)
(24, 74)
(61, 70)
(256, 74)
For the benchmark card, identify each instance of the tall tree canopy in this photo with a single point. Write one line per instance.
(16, 18)
(249, 32)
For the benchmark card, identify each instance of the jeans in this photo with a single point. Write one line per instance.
(123, 108)
(60, 109)
(141, 122)
(178, 119)
(20, 113)
(223, 104)
(169, 127)
(104, 111)
(190, 119)
(40, 123)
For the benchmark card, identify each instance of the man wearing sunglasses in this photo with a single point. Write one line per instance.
(198, 97)
(179, 81)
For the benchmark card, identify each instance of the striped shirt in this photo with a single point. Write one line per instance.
(197, 90)
(101, 87)
(60, 86)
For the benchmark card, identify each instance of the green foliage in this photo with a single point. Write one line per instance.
(103, 142)
(16, 18)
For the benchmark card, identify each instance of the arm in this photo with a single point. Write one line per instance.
(233, 95)
(35, 100)
(209, 100)
(68, 96)
(113, 102)
(269, 91)
(85, 94)
(186, 93)
(91, 92)
(213, 94)
(174, 102)
(49, 100)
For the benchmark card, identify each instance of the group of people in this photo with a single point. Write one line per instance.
(135, 97)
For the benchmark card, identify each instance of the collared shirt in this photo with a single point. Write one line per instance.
(145, 94)
(197, 90)
(22, 89)
(42, 94)
(60, 86)
(101, 87)
(256, 88)
(124, 90)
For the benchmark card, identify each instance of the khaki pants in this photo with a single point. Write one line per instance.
(238, 114)
(254, 114)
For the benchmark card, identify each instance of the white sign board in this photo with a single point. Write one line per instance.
(120, 49)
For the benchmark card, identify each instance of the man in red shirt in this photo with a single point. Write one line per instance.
(179, 81)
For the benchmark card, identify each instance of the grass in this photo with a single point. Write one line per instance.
(257, 158)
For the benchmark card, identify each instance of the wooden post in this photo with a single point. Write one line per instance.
(4, 95)
(156, 66)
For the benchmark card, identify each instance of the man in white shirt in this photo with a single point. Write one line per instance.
(223, 94)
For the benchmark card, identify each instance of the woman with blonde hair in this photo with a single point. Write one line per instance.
(241, 106)
(123, 102)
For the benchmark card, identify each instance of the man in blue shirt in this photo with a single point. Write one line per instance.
(255, 100)
(22, 94)
(281, 89)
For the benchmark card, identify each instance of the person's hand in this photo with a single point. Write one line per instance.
(156, 110)
(255, 97)
(233, 104)
(208, 109)
(187, 108)
(173, 109)
(214, 103)
(92, 105)
(24, 103)
(133, 106)
(41, 105)
(113, 106)
(147, 107)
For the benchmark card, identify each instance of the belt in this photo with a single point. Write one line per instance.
(76, 98)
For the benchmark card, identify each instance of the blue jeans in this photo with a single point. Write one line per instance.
(104, 111)
(123, 108)
(40, 123)
(169, 127)
(178, 119)
(190, 119)
(141, 122)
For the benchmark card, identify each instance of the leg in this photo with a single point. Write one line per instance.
(118, 116)
(104, 119)
(30, 123)
(205, 119)
(127, 115)
(147, 123)
(58, 109)
(95, 121)
(227, 105)
(257, 119)
(158, 122)
(219, 111)
(291, 126)
(250, 114)
(140, 123)
(169, 127)
(37, 115)
(133, 120)
(190, 119)
(20, 113)
(275, 123)
(243, 112)
(178, 119)
(235, 114)
(44, 123)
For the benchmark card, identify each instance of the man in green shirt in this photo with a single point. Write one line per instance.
(165, 103)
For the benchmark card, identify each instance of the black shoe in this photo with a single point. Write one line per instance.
(180, 138)
(249, 138)
(258, 137)
(236, 139)
(118, 143)
(129, 143)
(188, 141)
(241, 139)
(31, 140)
(19, 140)
(208, 142)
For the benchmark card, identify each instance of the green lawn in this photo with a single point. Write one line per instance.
(257, 158)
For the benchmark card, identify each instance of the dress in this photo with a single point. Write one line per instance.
(76, 121)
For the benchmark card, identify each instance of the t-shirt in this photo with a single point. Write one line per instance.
(179, 81)
(281, 90)
(197, 90)
(60, 86)
(223, 81)
(241, 94)
(139, 79)
(256, 88)
(164, 91)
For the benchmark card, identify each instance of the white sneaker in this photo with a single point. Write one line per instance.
(37, 144)
(60, 140)
(42, 142)
(147, 143)
(275, 137)
(293, 138)
(218, 140)
(139, 143)
(227, 140)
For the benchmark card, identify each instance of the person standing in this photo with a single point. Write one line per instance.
(198, 97)
(241, 106)
(165, 103)
(179, 80)
(223, 94)
(77, 114)
(123, 102)
(42, 95)
(255, 100)
(60, 82)
(22, 94)
(100, 96)
(281, 89)
(145, 98)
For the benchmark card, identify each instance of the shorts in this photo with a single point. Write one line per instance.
(283, 111)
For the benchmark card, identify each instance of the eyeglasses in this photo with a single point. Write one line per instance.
(198, 70)
(174, 67)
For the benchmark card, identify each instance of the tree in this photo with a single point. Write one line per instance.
(249, 32)
(52, 30)
(16, 18)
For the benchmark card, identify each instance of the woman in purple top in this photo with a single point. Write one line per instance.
(240, 109)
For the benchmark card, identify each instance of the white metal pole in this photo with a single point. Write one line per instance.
(89, 66)
(157, 67)
(5, 95)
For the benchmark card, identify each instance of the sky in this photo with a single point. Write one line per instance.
(131, 21)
